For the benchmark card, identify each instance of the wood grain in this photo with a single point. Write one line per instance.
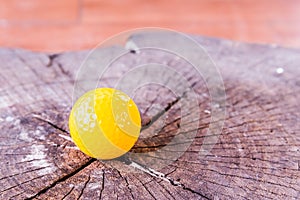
(256, 157)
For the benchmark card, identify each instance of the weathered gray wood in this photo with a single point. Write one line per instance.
(256, 157)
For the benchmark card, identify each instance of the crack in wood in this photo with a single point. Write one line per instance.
(12, 175)
(52, 58)
(13, 197)
(161, 113)
(127, 184)
(20, 184)
(163, 177)
(69, 192)
(84, 186)
(63, 178)
(50, 123)
(146, 188)
(102, 184)
(62, 69)
(173, 197)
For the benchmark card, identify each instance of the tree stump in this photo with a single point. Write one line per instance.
(257, 155)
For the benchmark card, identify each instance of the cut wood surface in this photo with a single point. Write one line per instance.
(257, 155)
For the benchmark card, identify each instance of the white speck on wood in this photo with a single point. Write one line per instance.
(74, 148)
(207, 111)
(279, 70)
(65, 137)
(9, 119)
(93, 186)
(204, 95)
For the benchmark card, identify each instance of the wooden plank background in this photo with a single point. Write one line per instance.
(81, 24)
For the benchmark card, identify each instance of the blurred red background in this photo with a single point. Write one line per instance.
(59, 25)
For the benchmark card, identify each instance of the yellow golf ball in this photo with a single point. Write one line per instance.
(105, 123)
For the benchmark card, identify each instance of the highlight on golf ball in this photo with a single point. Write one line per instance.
(105, 123)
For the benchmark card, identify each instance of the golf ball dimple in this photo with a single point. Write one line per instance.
(104, 123)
